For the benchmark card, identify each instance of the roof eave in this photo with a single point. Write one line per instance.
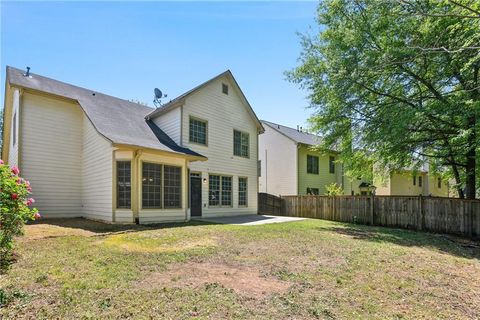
(169, 106)
(184, 155)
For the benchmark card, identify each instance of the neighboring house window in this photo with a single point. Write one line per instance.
(414, 180)
(331, 163)
(241, 144)
(224, 88)
(14, 133)
(313, 191)
(259, 168)
(242, 191)
(172, 187)
(124, 185)
(151, 186)
(312, 164)
(198, 131)
(220, 190)
(419, 181)
(439, 183)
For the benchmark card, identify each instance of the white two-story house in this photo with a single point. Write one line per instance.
(87, 154)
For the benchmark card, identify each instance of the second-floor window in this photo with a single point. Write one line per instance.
(312, 164)
(439, 183)
(241, 144)
(331, 164)
(420, 181)
(198, 131)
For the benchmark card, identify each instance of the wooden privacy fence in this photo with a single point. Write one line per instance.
(270, 204)
(443, 215)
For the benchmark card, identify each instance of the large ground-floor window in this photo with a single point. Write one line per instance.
(124, 185)
(242, 191)
(219, 190)
(161, 186)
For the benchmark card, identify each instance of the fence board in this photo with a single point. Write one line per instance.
(443, 215)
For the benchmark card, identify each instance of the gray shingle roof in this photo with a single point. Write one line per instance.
(118, 120)
(293, 134)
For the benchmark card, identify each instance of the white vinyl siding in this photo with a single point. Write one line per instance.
(278, 156)
(96, 174)
(224, 113)
(15, 121)
(170, 124)
(51, 154)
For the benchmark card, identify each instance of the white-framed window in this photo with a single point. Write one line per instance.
(242, 191)
(241, 144)
(161, 186)
(198, 131)
(219, 190)
(124, 184)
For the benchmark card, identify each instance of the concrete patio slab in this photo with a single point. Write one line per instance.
(249, 220)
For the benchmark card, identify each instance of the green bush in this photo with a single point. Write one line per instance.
(15, 211)
(333, 189)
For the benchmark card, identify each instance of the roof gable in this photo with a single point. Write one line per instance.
(178, 101)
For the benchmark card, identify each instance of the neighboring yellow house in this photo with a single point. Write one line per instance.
(411, 183)
(289, 164)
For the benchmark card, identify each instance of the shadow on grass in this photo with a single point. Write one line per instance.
(449, 244)
(104, 228)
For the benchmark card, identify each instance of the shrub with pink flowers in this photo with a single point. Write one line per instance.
(15, 211)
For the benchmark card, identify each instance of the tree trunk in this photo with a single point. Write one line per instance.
(458, 181)
(471, 161)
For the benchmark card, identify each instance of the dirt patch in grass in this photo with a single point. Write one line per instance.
(244, 280)
(44, 231)
(158, 243)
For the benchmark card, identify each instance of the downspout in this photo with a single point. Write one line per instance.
(297, 172)
(266, 170)
(187, 189)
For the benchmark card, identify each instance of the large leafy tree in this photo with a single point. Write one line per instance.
(1, 129)
(397, 83)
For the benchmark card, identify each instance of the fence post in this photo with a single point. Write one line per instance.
(372, 209)
(469, 217)
(422, 212)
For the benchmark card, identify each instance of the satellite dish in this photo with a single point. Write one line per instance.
(158, 93)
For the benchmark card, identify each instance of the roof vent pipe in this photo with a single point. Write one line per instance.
(298, 127)
(27, 74)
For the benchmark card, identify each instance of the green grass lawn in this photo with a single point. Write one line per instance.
(305, 269)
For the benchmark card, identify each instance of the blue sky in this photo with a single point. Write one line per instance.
(125, 49)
